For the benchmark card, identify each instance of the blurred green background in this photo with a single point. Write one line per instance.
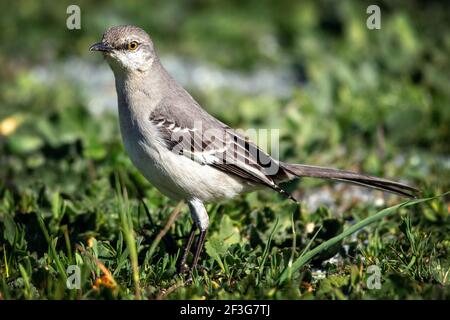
(342, 95)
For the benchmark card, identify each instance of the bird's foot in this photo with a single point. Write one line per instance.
(183, 269)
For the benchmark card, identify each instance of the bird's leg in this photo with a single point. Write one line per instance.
(199, 249)
(201, 219)
(182, 268)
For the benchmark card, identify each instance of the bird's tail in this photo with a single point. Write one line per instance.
(300, 170)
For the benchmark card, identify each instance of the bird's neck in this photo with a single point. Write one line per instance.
(139, 92)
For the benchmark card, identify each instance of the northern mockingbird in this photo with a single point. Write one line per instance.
(184, 151)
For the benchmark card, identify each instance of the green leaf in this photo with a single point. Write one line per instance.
(215, 248)
(10, 228)
(25, 143)
(219, 242)
(228, 232)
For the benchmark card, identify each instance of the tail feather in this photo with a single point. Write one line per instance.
(300, 170)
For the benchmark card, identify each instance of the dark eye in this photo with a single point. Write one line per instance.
(132, 45)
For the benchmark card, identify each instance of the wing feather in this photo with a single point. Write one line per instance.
(223, 149)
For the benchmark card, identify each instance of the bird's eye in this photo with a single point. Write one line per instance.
(132, 45)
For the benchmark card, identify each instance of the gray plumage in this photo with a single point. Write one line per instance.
(163, 128)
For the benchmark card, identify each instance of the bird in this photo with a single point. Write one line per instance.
(185, 152)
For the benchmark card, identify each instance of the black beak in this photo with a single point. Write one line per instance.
(100, 46)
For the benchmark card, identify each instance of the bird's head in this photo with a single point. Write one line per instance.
(127, 49)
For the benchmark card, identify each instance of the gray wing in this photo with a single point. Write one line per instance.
(193, 133)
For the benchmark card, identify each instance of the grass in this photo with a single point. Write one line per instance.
(371, 101)
(250, 255)
(306, 256)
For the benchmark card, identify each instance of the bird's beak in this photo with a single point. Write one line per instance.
(100, 46)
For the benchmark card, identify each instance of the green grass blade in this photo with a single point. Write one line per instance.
(26, 281)
(128, 233)
(267, 248)
(54, 253)
(6, 262)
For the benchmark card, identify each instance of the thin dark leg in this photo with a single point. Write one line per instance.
(198, 251)
(201, 219)
(187, 248)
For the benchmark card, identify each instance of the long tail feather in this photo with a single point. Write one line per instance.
(300, 170)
